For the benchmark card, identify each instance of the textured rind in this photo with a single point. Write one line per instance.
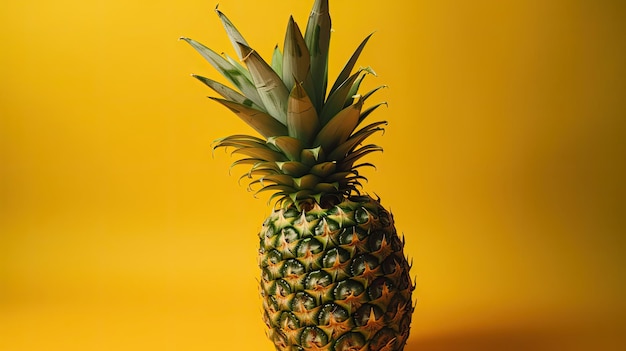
(335, 279)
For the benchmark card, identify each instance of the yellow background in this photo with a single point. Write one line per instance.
(503, 165)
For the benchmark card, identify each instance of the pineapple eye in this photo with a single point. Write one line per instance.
(282, 288)
(292, 268)
(318, 279)
(303, 302)
(348, 288)
(274, 256)
(364, 313)
(361, 215)
(347, 236)
(381, 287)
(289, 234)
(289, 321)
(332, 313)
(363, 262)
(335, 256)
(313, 336)
(350, 341)
(309, 246)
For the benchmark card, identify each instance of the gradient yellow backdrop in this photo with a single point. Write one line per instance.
(503, 164)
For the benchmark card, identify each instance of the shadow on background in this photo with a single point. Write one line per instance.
(504, 339)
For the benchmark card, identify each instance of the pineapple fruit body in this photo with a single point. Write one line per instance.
(335, 279)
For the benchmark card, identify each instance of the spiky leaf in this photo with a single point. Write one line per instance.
(239, 80)
(270, 87)
(263, 123)
(317, 38)
(302, 119)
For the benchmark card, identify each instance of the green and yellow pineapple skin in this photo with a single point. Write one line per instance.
(335, 279)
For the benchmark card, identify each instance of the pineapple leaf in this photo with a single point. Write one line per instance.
(369, 110)
(339, 128)
(369, 93)
(296, 59)
(291, 147)
(312, 156)
(357, 154)
(280, 179)
(228, 93)
(276, 187)
(344, 149)
(262, 153)
(293, 168)
(270, 87)
(317, 38)
(263, 123)
(307, 181)
(233, 34)
(238, 66)
(277, 61)
(324, 169)
(349, 66)
(239, 80)
(302, 120)
(337, 100)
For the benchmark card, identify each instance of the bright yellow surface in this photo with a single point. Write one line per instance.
(503, 164)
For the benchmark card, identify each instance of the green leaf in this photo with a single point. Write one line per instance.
(337, 100)
(289, 146)
(317, 38)
(296, 59)
(324, 169)
(302, 120)
(228, 93)
(277, 61)
(349, 66)
(281, 179)
(339, 128)
(233, 34)
(357, 154)
(238, 66)
(269, 86)
(261, 152)
(307, 181)
(277, 187)
(357, 138)
(263, 123)
(239, 80)
(293, 168)
(369, 110)
(312, 156)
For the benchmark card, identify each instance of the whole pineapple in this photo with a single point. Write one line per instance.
(333, 273)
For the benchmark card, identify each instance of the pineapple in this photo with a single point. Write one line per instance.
(333, 273)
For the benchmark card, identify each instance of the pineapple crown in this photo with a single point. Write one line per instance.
(311, 144)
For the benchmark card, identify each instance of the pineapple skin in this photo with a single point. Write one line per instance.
(335, 279)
